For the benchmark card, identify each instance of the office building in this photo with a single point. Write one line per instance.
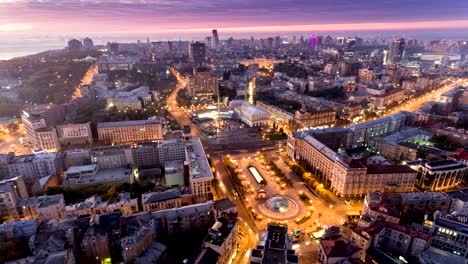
(459, 202)
(389, 205)
(117, 63)
(36, 166)
(313, 43)
(451, 234)
(365, 76)
(403, 241)
(136, 244)
(441, 174)
(361, 134)
(337, 249)
(157, 201)
(91, 174)
(130, 131)
(88, 43)
(214, 39)
(135, 99)
(47, 207)
(75, 134)
(220, 242)
(202, 84)
(171, 222)
(11, 191)
(274, 247)
(156, 154)
(41, 116)
(197, 52)
(346, 176)
(397, 50)
(277, 115)
(309, 118)
(47, 139)
(111, 157)
(250, 114)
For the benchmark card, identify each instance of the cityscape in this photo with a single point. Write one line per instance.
(342, 142)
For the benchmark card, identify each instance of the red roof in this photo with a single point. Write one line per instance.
(460, 154)
(336, 248)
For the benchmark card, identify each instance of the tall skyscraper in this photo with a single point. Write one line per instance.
(313, 42)
(169, 48)
(74, 44)
(269, 43)
(397, 49)
(88, 43)
(197, 51)
(208, 41)
(214, 39)
(349, 48)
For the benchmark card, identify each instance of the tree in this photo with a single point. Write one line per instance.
(421, 153)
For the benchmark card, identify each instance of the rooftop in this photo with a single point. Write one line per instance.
(152, 254)
(329, 153)
(338, 247)
(224, 204)
(81, 169)
(220, 231)
(207, 256)
(277, 236)
(429, 196)
(367, 124)
(460, 195)
(162, 196)
(200, 166)
(102, 176)
(388, 169)
(460, 154)
(440, 165)
(188, 210)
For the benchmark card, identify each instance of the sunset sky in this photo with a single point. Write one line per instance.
(134, 16)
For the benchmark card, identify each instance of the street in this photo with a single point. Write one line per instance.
(176, 112)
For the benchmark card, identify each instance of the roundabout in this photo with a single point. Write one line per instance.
(279, 207)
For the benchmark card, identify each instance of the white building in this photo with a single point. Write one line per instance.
(250, 114)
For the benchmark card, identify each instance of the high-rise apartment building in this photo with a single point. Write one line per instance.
(88, 43)
(202, 84)
(197, 52)
(313, 42)
(397, 50)
(214, 39)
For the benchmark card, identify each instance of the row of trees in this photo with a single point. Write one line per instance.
(312, 182)
(280, 174)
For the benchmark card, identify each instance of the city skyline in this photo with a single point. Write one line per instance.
(240, 16)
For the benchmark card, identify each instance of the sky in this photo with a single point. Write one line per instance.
(178, 16)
